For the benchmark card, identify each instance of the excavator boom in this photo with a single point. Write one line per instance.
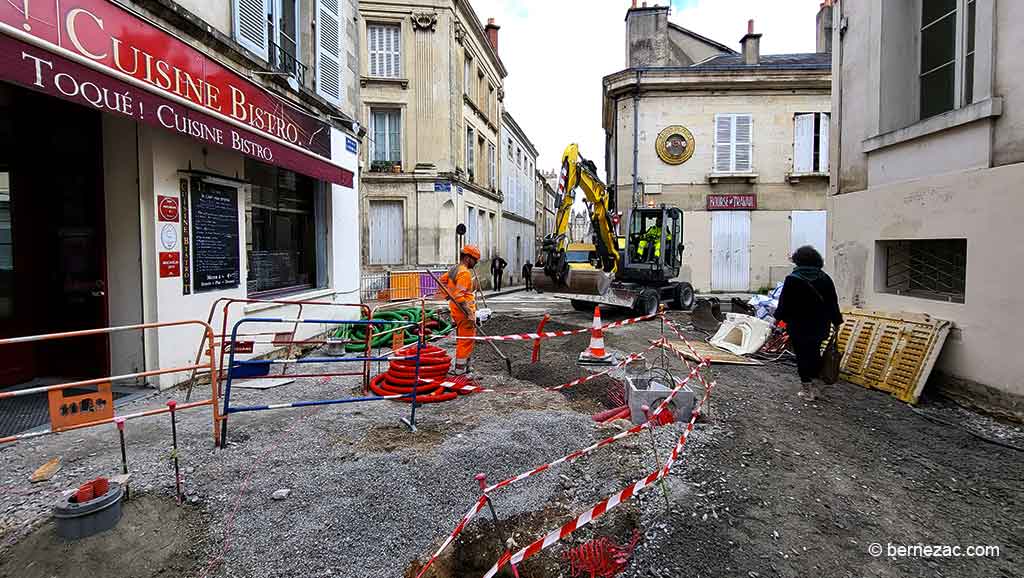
(557, 273)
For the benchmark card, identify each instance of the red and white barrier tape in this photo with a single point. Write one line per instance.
(605, 505)
(546, 335)
(682, 357)
(679, 333)
(473, 511)
(605, 442)
(478, 389)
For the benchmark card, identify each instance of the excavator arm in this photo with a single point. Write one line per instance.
(557, 274)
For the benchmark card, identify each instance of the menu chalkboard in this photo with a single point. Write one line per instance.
(215, 259)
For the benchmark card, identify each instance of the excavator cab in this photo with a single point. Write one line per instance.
(653, 249)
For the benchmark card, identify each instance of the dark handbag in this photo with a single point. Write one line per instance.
(830, 359)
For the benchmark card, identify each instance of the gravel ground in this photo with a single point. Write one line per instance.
(768, 486)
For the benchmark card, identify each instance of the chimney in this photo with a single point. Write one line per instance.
(751, 44)
(823, 27)
(647, 42)
(492, 33)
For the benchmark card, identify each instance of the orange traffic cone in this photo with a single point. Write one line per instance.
(596, 349)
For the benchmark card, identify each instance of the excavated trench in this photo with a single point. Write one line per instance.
(482, 543)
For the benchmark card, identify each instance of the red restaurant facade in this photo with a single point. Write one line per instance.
(152, 163)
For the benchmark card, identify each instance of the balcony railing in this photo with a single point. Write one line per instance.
(283, 61)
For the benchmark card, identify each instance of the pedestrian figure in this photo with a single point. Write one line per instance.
(497, 270)
(462, 305)
(528, 275)
(809, 307)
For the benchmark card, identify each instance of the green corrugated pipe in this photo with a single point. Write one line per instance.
(357, 333)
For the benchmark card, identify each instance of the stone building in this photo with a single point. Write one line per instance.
(737, 140)
(545, 213)
(431, 88)
(928, 158)
(518, 187)
(159, 156)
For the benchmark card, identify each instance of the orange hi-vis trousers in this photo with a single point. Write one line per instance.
(461, 289)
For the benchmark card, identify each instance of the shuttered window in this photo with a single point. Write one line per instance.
(733, 143)
(328, 49)
(385, 54)
(492, 173)
(469, 153)
(250, 23)
(387, 135)
(471, 230)
(810, 143)
(387, 233)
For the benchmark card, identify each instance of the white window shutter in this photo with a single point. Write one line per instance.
(387, 244)
(723, 143)
(250, 21)
(823, 142)
(372, 34)
(328, 49)
(395, 68)
(803, 143)
(743, 144)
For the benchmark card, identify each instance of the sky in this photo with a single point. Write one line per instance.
(557, 51)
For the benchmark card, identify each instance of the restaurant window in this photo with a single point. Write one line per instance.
(6, 250)
(283, 220)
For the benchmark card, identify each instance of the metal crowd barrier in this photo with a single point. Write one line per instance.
(90, 409)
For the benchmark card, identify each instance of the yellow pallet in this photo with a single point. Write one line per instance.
(892, 352)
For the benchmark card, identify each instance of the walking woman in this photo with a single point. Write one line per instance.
(809, 307)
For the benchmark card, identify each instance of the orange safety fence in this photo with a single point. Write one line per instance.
(95, 408)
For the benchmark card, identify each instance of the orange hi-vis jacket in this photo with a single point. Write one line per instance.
(459, 282)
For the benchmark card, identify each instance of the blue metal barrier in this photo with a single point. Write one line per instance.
(260, 369)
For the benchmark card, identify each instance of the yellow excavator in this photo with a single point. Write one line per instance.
(635, 270)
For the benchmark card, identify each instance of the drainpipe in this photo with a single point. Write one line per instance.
(636, 136)
(615, 161)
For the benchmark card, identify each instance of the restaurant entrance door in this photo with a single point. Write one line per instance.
(52, 237)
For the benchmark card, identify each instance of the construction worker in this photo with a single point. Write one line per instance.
(652, 237)
(462, 304)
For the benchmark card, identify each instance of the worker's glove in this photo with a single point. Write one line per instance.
(482, 315)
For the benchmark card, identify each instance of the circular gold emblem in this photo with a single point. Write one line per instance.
(675, 145)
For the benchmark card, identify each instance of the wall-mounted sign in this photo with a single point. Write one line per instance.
(169, 237)
(741, 202)
(215, 237)
(167, 208)
(442, 187)
(186, 243)
(675, 145)
(351, 145)
(170, 264)
(91, 52)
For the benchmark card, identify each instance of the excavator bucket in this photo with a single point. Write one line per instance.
(582, 281)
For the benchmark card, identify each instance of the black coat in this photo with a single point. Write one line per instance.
(808, 307)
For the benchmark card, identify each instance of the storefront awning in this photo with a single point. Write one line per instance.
(99, 55)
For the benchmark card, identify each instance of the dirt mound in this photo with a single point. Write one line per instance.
(154, 538)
